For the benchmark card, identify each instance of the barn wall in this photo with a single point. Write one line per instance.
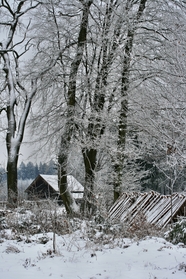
(39, 189)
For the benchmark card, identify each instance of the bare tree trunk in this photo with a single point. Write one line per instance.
(70, 121)
(96, 125)
(70, 205)
(14, 140)
(122, 126)
(89, 203)
(12, 181)
(17, 97)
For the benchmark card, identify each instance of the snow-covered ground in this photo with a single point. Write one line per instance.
(77, 257)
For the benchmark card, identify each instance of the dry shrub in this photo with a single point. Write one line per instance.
(140, 228)
(39, 218)
(12, 249)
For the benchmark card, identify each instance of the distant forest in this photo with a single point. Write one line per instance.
(30, 171)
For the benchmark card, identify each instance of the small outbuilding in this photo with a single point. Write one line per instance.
(158, 209)
(46, 187)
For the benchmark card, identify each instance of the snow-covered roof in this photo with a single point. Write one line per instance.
(51, 180)
(158, 209)
(73, 184)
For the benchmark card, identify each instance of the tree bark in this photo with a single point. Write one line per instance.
(89, 203)
(122, 125)
(71, 110)
(14, 89)
(70, 205)
(96, 125)
(12, 181)
(14, 140)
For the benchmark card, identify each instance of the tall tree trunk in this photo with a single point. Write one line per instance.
(122, 126)
(13, 87)
(12, 180)
(14, 140)
(96, 125)
(70, 205)
(71, 110)
(89, 203)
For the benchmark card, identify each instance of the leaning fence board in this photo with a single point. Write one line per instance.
(158, 209)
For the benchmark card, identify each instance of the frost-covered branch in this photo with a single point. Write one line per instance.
(17, 91)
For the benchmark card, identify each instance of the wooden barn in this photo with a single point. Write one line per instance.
(158, 209)
(46, 187)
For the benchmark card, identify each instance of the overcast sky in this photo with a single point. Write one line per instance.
(25, 154)
(29, 151)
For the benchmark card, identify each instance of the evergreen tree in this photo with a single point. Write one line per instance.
(30, 169)
(22, 172)
(36, 170)
(43, 168)
(2, 175)
(51, 169)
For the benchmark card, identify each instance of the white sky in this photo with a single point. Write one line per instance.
(25, 154)
(29, 151)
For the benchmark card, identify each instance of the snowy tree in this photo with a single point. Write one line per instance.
(133, 12)
(17, 88)
(84, 107)
(159, 108)
(147, 63)
(70, 118)
(67, 23)
(20, 79)
(101, 90)
(97, 87)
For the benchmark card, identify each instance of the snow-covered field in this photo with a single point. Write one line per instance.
(77, 257)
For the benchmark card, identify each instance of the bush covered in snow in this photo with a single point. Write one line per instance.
(177, 233)
(43, 217)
